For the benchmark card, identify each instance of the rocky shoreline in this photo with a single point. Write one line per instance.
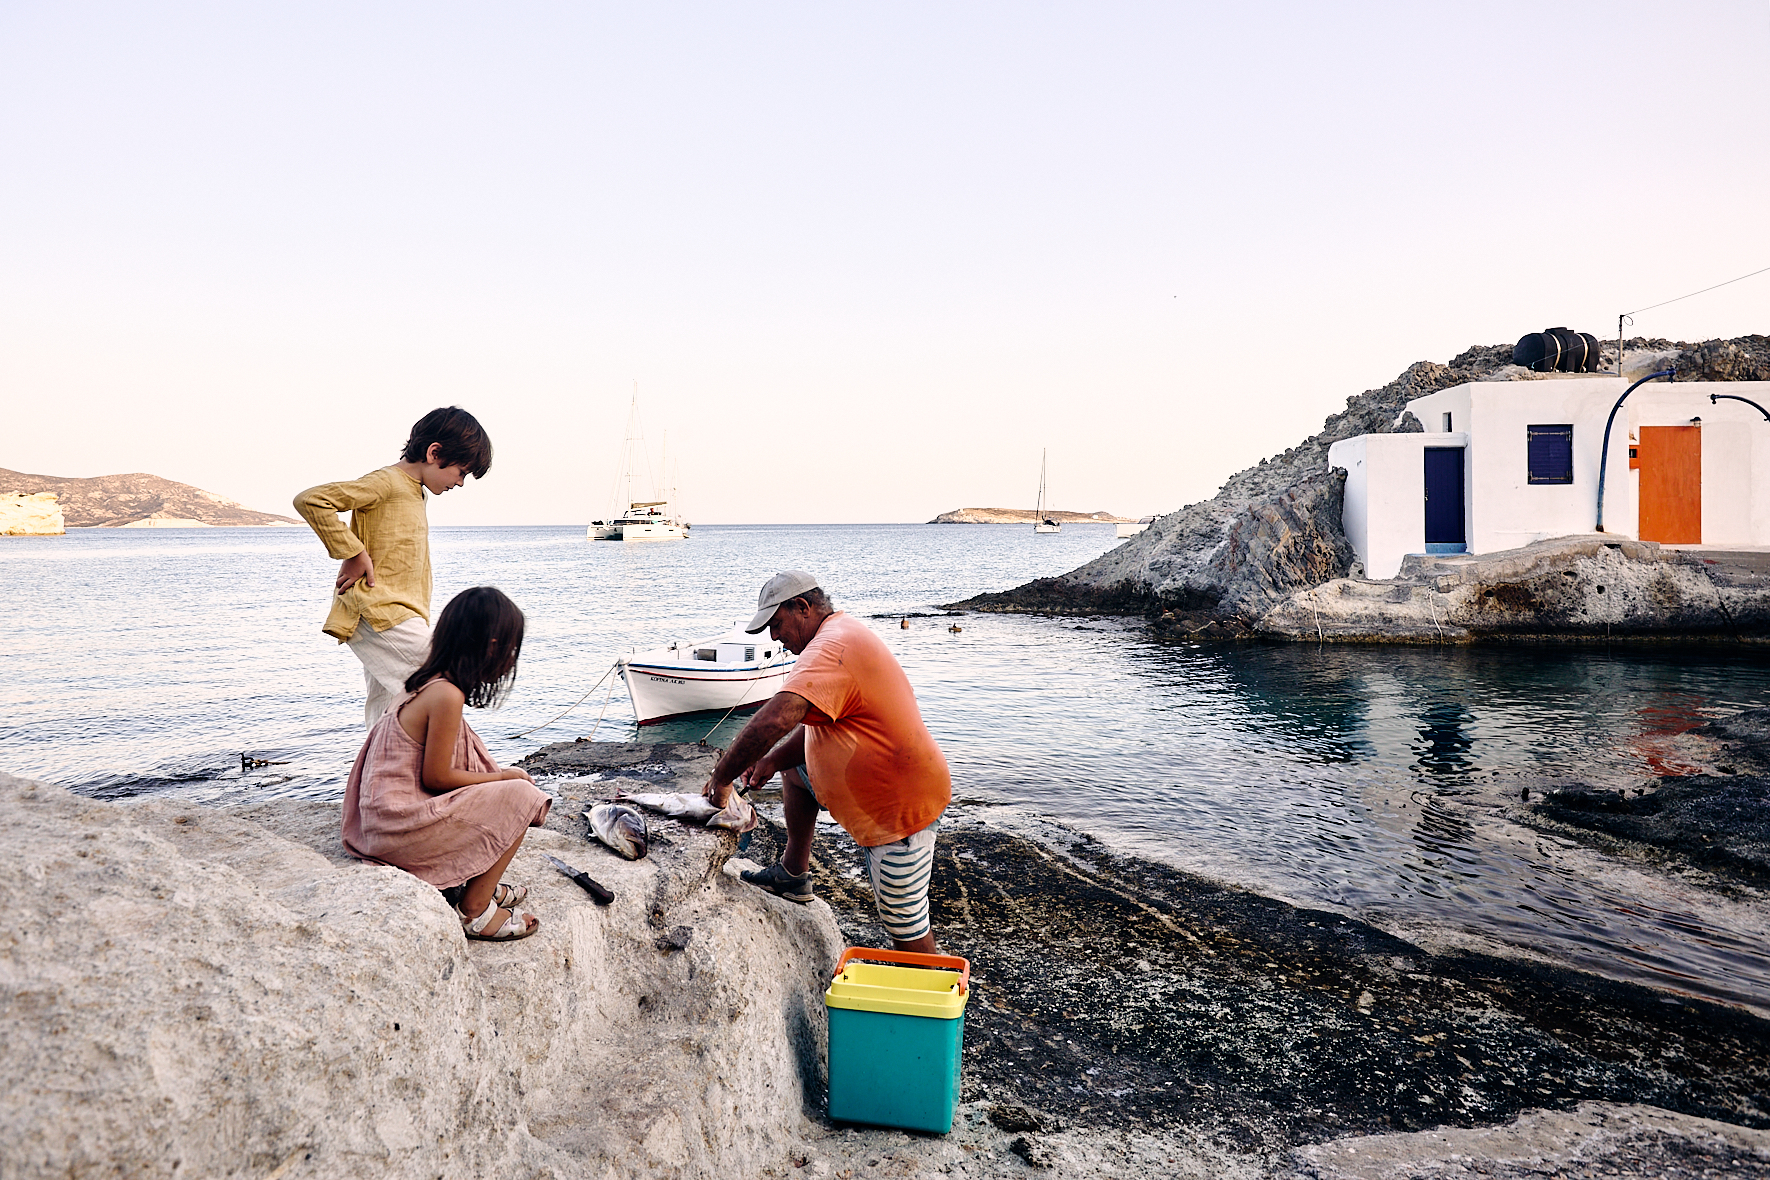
(1267, 556)
(222, 991)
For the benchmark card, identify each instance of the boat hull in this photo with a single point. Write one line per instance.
(662, 691)
(637, 532)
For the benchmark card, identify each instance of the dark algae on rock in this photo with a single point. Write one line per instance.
(1115, 993)
(1719, 823)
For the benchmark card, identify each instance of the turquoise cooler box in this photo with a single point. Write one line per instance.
(897, 1026)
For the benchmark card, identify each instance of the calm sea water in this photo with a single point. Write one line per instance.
(1372, 780)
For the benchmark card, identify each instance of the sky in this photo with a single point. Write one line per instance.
(861, 262)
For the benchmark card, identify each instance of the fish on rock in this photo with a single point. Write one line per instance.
(693, 807)
(737, 816)
(620, 827)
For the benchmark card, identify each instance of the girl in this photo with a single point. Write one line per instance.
(425, 795)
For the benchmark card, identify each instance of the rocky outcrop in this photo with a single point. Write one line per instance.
(30, 515)
(111, 501)
(1588, 587)
(193, 991)
(1221, 565)
(1023, 516)
(187, 991)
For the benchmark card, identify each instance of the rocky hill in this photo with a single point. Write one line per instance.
(1023, 516)
(1274, 529)
(138, 499)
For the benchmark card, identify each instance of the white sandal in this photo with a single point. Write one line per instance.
(512, 928)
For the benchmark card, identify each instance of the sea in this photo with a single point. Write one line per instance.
(1376, 781)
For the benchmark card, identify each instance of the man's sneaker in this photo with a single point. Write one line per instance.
(781, 883)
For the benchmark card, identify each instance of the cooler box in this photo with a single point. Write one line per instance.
(897, 1024)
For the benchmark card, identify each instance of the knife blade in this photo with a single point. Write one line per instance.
(597, 893)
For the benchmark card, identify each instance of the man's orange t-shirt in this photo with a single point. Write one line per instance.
(873, 763)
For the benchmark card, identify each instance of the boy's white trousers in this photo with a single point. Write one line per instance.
(388, 658)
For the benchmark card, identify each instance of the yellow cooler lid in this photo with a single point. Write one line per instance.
(935, 986)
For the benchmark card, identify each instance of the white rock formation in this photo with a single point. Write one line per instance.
(195, 992)
(30, 515)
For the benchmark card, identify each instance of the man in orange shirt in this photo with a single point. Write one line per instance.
(854, 744)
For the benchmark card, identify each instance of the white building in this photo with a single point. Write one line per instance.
(1506, 463)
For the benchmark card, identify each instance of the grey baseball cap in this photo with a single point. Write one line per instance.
(775, 591)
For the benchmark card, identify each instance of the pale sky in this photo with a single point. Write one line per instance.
(863, 261)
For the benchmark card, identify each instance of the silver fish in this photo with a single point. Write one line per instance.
(620, 827)
(738, 815)
(676, 804)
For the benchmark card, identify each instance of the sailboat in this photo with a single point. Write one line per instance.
(1044, 524)
(637, 520)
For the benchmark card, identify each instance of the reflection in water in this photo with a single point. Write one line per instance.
(1372, 779)
(1443, 749)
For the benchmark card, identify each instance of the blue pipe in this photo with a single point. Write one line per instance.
(1734, 397)
(1604, 455)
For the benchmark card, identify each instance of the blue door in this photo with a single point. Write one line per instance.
(1444, 500)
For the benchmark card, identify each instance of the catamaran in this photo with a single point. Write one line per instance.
(1044, 524)
(639, 520)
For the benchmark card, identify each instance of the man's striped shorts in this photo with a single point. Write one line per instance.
(900, 873)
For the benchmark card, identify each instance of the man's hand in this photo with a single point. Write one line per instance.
(759, 774)
(362, 566)
(717, 793)
(516, 772)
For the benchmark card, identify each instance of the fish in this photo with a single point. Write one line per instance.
(676, 804)
(737, 816)
(620, 827)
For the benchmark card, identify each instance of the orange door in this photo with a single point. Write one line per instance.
(1671, 484)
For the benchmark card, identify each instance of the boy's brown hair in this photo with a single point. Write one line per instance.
(463, 440)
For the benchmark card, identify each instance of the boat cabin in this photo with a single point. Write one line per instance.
(734, 653)
(1504, 463)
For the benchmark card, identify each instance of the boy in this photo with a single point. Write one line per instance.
(385, 579)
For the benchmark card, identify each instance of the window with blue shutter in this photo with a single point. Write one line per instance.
(1549, 453)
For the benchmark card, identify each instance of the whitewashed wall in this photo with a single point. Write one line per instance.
(1735, 453)
(1385, 510)
(1385, 485)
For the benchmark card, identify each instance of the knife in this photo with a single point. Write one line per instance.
(597, 893)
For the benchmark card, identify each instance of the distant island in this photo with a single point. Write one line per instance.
(137, 500)
(1025, 516)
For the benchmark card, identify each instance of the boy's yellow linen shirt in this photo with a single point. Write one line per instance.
(387, 518)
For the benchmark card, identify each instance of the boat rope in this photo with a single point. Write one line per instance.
(606, 697)
(574, 704)
(767, 663)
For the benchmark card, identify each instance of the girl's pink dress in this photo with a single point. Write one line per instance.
(389, 818)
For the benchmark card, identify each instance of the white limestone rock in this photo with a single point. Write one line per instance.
(30, 515)
(195, 992)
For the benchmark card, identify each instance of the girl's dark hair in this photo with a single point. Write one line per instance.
(464, 441)
(474, 646)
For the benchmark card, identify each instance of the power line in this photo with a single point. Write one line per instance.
(1704, 291)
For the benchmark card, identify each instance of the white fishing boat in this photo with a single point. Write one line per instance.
(637, 520)
(1043, 523)
(735, 671)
